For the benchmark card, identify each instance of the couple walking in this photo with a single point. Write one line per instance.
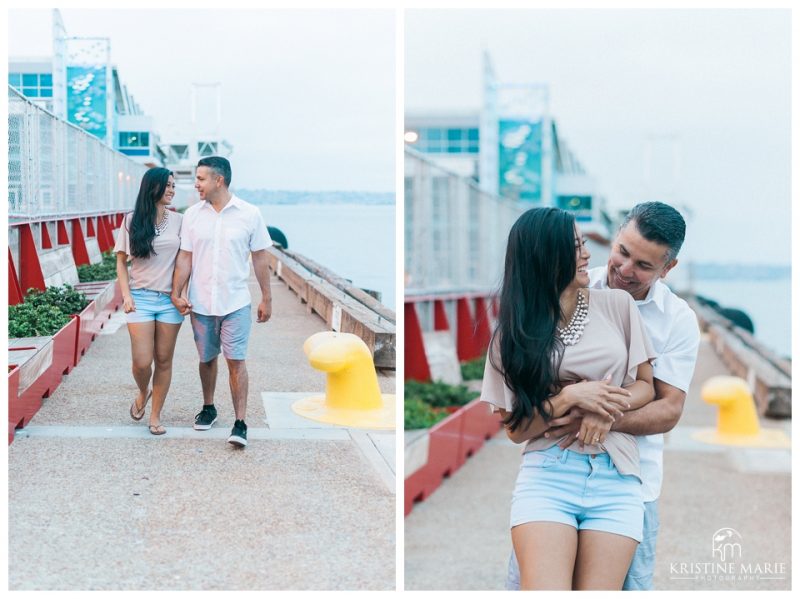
(195, 264)
(588, 368)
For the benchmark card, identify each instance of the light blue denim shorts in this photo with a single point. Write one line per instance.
(587, 493)
(231, 331)
(153, 305)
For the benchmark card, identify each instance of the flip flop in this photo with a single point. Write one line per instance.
(157, 429)
(138, 415)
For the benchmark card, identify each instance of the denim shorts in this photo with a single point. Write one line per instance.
(585, 492)
(231, 331)
(640, 574)
(153, 305)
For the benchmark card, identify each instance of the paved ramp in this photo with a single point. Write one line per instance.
(96, 502)
(458, 538)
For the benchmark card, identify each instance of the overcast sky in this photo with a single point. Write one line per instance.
(718, 81)
(308, 97)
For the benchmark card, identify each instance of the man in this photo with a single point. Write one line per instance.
(219, 234)
(644, 251)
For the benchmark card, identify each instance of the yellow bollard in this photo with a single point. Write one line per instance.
(737, 419)
(352, 395)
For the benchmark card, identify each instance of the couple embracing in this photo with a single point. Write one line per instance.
(195, 264)
(588, 369)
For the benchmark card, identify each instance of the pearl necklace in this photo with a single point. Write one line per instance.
(571, 334)
(160, 227)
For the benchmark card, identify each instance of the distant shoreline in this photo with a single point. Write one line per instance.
(285, 197)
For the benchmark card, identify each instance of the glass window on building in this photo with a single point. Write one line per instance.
(207, 148)
(134, 139)
(33, 85)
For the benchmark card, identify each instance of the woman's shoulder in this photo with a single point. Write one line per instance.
(611, 296)
(612, 302)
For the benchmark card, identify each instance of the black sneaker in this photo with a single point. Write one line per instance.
(206, 417)
(238, 434)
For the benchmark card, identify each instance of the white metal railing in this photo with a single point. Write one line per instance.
(57, 169)
(455, 234)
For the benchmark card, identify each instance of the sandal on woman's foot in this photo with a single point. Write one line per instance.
(157, 429)
(139, 414)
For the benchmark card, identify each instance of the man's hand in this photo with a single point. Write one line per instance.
(568, 424)
(182, 304)
(264, 310)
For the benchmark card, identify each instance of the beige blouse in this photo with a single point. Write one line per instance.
(155, 272)
(614, 342)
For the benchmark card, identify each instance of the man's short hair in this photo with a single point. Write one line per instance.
(660, 223)
(221, 167)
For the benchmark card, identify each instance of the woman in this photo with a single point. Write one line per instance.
(577, 513)
(150, 240)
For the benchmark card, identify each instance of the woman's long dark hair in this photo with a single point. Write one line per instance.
(142, 228)
(540, 264)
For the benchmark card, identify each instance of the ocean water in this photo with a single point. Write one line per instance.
(356, 241)
(767, 303)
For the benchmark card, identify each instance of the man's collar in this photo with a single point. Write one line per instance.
(657, 293)
(233, 202)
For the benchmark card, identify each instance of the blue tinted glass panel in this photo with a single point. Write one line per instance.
(31, 92)
(46, 92)
(15, 79)
(129, 152)
(434, 134)
(144, 139)
(473, 134)
(46, 79)
(454, 134)
(30, 79)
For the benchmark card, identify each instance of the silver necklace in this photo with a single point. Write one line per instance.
(571, 334)
(161, 227)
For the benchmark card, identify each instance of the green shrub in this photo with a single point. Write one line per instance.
(29, 320)
(439, 395)
(104, 271)
(44, 313)
(472, 370)
(66, 298)
(418, 414)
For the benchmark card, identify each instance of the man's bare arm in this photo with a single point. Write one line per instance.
(180, 277)
(659, 416)
(261, 269)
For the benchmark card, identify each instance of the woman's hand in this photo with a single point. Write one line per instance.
(594, 429)
(128, 304)
(599, 397)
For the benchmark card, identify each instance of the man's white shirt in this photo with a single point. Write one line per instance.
(675, 335)
(221, 243)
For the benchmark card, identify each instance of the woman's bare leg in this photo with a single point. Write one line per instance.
(546, 555)
(142, 335)
(165, 337)
(603, 560)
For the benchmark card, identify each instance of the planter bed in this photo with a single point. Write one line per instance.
(37, 366)
(106, 298)
(479, 426)
(449, 444)
(444, 458)
(88, 328)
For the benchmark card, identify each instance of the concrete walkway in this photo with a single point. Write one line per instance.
(458, 538)
(95, 502)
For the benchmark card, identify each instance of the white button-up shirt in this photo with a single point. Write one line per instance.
(220, 243)
(675, 335)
